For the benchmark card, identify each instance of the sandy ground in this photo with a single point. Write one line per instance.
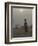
(20, 32)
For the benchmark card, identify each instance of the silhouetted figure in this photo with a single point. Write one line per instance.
(25, 25)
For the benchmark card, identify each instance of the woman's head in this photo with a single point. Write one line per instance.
(24, 19)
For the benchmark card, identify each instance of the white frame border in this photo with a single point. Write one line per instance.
(33, 22)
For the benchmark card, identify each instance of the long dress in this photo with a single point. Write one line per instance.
(25, 26)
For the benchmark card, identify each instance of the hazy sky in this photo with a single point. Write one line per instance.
(19, 14)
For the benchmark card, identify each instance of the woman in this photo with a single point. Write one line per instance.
(25, 25)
